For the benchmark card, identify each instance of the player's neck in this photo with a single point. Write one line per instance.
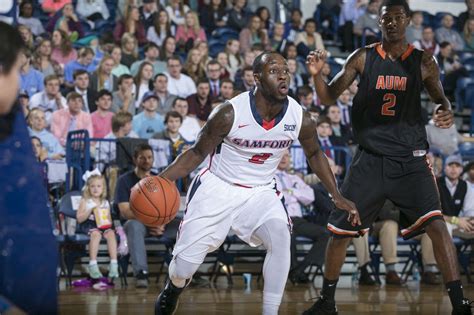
(395, 49)
(267, 107)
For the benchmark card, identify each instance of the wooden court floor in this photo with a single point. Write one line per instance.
(221, 299)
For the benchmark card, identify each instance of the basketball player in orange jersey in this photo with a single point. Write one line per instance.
(391, 160)
(246, 138)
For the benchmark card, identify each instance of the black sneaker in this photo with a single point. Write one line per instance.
(322, 307)
(365, 278)
(141, 281)
(463, 309)
(167, 301)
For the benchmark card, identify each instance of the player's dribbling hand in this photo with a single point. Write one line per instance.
(315, 61)
(347, 205)
(443, 118)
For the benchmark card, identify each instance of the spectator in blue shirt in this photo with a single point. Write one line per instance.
(37, 124)
(148, 122)
(84, 62)
(31, 80)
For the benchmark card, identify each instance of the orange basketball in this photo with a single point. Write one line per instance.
(154, 200)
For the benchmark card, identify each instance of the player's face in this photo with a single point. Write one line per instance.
(144, 160)
(393, 22)
(453, 171)
(96, 187)
(275, 77)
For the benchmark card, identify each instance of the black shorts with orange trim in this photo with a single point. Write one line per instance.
(408, 182)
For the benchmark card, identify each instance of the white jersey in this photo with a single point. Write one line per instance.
(251, 152)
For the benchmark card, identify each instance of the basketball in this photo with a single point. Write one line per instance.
(154, 200)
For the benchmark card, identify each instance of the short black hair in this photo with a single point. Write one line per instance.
(13, 44)
(259, 61)
(139, 148)
(392, 3)
(79, 72)
(124, 76)
(178, 99)
(102, 93)
(173, 114)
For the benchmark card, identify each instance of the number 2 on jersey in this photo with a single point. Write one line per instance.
(260, 158)
(390, 101)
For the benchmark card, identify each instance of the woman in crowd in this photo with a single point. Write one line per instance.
(42, 58)
(309, 39)
(168, 49)
(223, 60)
(213, 15)
(27, 36)
(468, 35)
(118, 68)
(193, 67)
(63, 52)
(67, 22)
(129, 49)
(161, 28)
(176, 11)
(102, 78)
(232, 49)
(131, 24)
(189, 32)
(253, 34)
(142, 81)
(93, 11)
(26, 18)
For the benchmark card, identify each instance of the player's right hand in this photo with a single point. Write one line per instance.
(316, 60)
(347, 205)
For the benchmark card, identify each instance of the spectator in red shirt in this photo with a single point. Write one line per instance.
(102, 117)
(200, 104)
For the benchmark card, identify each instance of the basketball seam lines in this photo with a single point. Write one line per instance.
(148, 199)
(164, 197)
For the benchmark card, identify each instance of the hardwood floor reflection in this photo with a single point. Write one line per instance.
(410, 299)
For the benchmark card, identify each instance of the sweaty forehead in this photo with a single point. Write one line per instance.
(271, 60)
(392, 10)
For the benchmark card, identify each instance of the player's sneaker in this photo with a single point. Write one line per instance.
(94, 272)
(322, 307)
(463, 309)
(167, 301)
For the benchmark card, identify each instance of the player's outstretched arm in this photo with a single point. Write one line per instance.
(328, 93)
(443, 117)
(320, 166)
(211, 135)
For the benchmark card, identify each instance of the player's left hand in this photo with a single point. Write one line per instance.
(347, 205)
(443, 118)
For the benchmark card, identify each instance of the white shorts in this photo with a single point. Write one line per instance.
(215, 207)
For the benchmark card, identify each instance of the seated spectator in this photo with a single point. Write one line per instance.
(142, 81)
(223, 61)
(129, 49)
(368, 23)
(213, 72)
(68, 22)
(177, 11)
(123, 98)
(343, 132)
(148, 11)
(31, 80)
(42, 58)
(450, 64)
(24, 101)
(103, 78)
(344, 102)
(414, 31)
(118, 68)
(165, 99)
(297, 193)
(50, 99)
(350, 12)
(464, 16)
(265, 18)
(190, 127)
(213, 15)
(294, 26)
(53, 6)
(308, 40)
(130, 24)
(81, 86)
(445, 140)
(468, 35)
(427, 41)
(446, 33)
(189, 32)
(238, 15)
(178, 84)
(306, 97)
(296, 80)
(253, 34)
(70, 119)
(135, 230)
(63, 52)
(37, 128)
(93, 11)
(232, 49)
(328, 10)
(173, 121)
(102, 117)
(247, 80)
(469, 174)
(83, 62)
(121, 127)
(168, 49)
(152, 55)
(27, 18)
(40, 155)
(160, 29)
(193, 66)
(148, 122)
(200, 103)
(457, 199)
(203, 47)
(277, 40)
(227, 89)
(328, 141)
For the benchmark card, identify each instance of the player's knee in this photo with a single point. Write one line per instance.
(436, 227)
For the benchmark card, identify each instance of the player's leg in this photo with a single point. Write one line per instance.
(111, 239)
(363, 186)
(95, 237)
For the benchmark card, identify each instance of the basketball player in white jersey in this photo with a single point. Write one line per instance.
(246, 137)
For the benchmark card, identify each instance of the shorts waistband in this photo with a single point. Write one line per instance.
(230, 183)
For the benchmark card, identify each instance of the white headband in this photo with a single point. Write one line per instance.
(88, 174)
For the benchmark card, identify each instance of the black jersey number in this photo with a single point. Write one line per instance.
(260, 158)
(390, 100)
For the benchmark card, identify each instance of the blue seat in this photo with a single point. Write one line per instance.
(460, 93)
(223, 34)
(215, 47)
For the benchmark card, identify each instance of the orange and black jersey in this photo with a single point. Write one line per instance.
(386, 111)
